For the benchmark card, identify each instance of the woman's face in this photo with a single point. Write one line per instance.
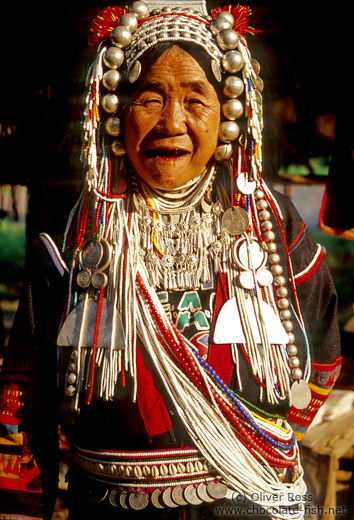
(171, 125)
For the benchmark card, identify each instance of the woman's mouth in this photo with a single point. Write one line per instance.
(166, 153)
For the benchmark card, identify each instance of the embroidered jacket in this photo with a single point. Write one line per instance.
(30, 401)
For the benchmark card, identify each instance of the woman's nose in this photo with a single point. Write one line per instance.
(172, 119)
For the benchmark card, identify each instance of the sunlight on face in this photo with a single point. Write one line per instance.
(171, 125)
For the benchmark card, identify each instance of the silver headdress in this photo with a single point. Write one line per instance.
(124, 35)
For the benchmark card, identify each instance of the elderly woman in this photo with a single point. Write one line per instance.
(199, 335)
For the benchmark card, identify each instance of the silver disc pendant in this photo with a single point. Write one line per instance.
(217, 490)
(246, 280)
(244, 185)
(215, 67)
(134, 72)
(235, 220)
(300, 394)
(177, 496)
(190, 494)
(264, 277)
(203, 493)
(166, 498)
(123, 499)
(155, 499)
(112, 497)
(138, 501)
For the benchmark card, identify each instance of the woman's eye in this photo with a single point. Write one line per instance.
(152, 101)
(195, 102)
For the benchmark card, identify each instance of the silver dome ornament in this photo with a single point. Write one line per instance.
(113, 127)
(219, 24)
(232, 109)
(118, 148)
(129, 21)
(232, 61)
(110, 79)
(234, 86)
(121, 37)
(228, 16)
(228, 131)
(113, 57)
(140, 10)
(223, 152)
(110, 103)
(227, 39)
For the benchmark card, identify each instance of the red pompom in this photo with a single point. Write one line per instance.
(241, 14)
(104, 23)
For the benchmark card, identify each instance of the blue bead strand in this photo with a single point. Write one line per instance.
(247, 416)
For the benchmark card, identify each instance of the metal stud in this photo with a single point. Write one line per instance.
(232, 109)
(232, 61)
(234, 86)
(228, 131)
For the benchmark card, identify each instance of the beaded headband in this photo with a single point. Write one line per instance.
(125, 34)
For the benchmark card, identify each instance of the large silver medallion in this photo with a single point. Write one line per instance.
(300, 394)
(235, 220)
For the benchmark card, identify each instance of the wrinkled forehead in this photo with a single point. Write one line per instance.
(185, 62)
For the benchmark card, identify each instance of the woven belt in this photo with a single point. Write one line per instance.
(162, 478)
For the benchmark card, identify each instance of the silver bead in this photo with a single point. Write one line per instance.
(258, 194)
(223, 152)
(113, 127)
(279, 280)
(130, 21)
(262, 204)
(110, 103)
(296, 373)
(288, 326)
(274, 258)
(283, 303)
(139, 9)
(269, 236)
(220, 23)
(113, 57)
(121, 37)
(117, 148)
(291, 350)
(227, 39)
(227, 15)
(271, 247)
(285, 314)
(71, 378)
(294, 362)
(266, 225)
(282, 292)
(264, 215)
(232, 61)
(70, 390)
(110, 79)
(228, 131)
(276, 270)
(291, 337)
(232, 109)
(234, 86)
